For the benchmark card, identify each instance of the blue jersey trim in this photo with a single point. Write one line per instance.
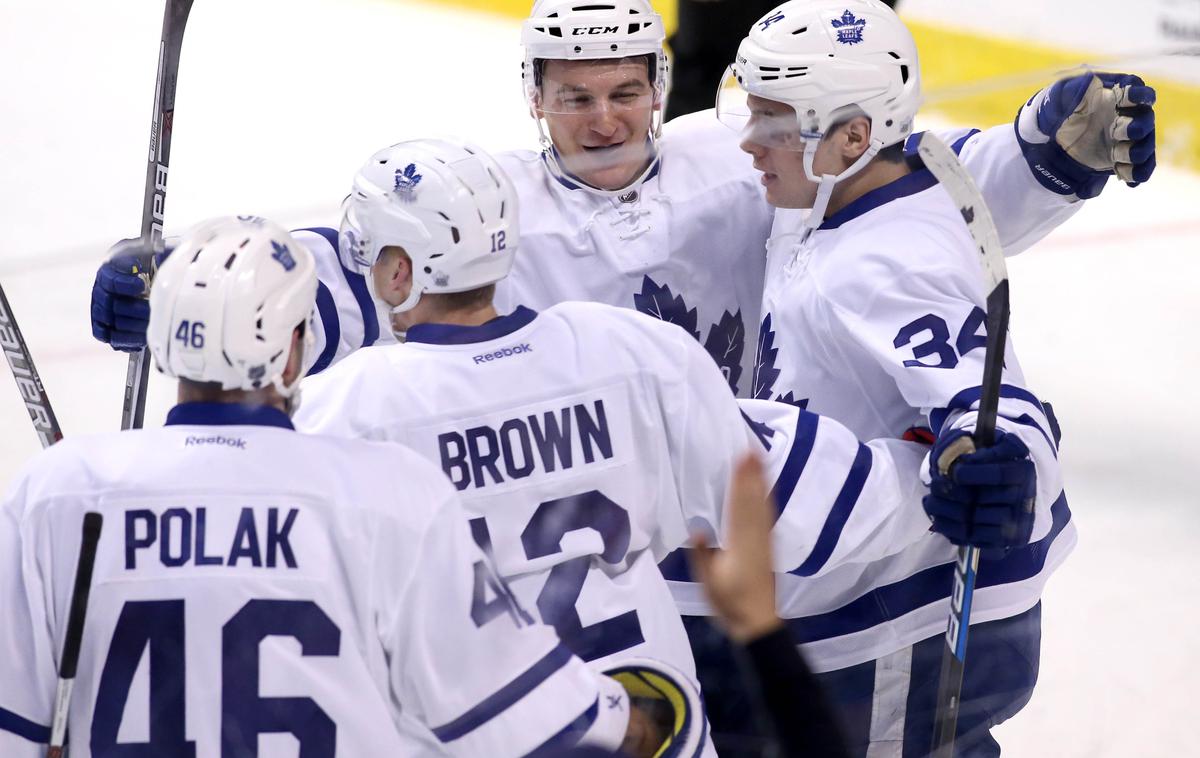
(506, 696)
(453, 334)
(793, 467)
(23, 727)
(227, 414)
(970, 396)
(932, 585)
(357, 284)
(569, 735)
(909, 184)
(839, 514)
(910, 144)
(333, 328)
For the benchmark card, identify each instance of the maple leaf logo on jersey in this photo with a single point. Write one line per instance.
(765, 372)
(406, 183)
(725, 343)
(659, 302)
(790, 398)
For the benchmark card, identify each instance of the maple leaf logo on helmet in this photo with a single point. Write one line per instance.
(850, 29)
(406, 183)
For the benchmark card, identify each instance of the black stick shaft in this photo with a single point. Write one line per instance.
(161, 128)
(69, 662)
(33, 392)
(92, 524)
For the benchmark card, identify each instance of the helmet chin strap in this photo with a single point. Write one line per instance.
(827, 182)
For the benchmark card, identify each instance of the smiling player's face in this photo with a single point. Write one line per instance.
(599, 115)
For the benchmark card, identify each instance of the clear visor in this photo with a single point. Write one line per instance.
(765, 122)
(354, 249)
(589, 88)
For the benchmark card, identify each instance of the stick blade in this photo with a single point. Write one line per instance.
(950, 173)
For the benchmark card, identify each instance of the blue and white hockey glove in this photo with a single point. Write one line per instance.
(1079, 131)
(120, 310)
(982, 498)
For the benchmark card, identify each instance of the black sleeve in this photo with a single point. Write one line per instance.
(803, 721)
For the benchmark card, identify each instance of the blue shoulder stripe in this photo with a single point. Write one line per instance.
(889, 602)
(333, 328)
(793, 467)
(968, 397)
(910, 144)
(839, 514)
(358, 286)
(569, 735)
(23, 727)
(506, 696)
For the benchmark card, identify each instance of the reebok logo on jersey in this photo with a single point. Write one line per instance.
(524, 347)
(216, 439)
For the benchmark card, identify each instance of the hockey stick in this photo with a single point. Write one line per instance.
(92, 523)
(161, 126)
(951, 174)
(37, 402)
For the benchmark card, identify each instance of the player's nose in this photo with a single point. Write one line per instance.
(748, 145)
(604, 121)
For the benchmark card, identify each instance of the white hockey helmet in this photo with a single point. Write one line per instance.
(224, 305)
(448, 204)
(829, 60)
(593, 30)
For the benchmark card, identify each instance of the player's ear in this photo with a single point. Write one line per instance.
(857, 138)
(392, 273)
(295, 363)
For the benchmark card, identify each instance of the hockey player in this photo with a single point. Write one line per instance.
(873, 314)
(618, 208)
(586, 440)
(288, 591)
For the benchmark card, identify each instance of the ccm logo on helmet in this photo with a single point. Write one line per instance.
(584, 30)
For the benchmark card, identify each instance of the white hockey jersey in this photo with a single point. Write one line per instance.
(687, 245)
(588, 441)
(259, 589)
(877, 320)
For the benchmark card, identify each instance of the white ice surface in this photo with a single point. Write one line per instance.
(280, 101)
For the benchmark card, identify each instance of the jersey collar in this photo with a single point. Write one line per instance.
(227, 414)
(909, 184)
(453, 334)
(918, 181)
